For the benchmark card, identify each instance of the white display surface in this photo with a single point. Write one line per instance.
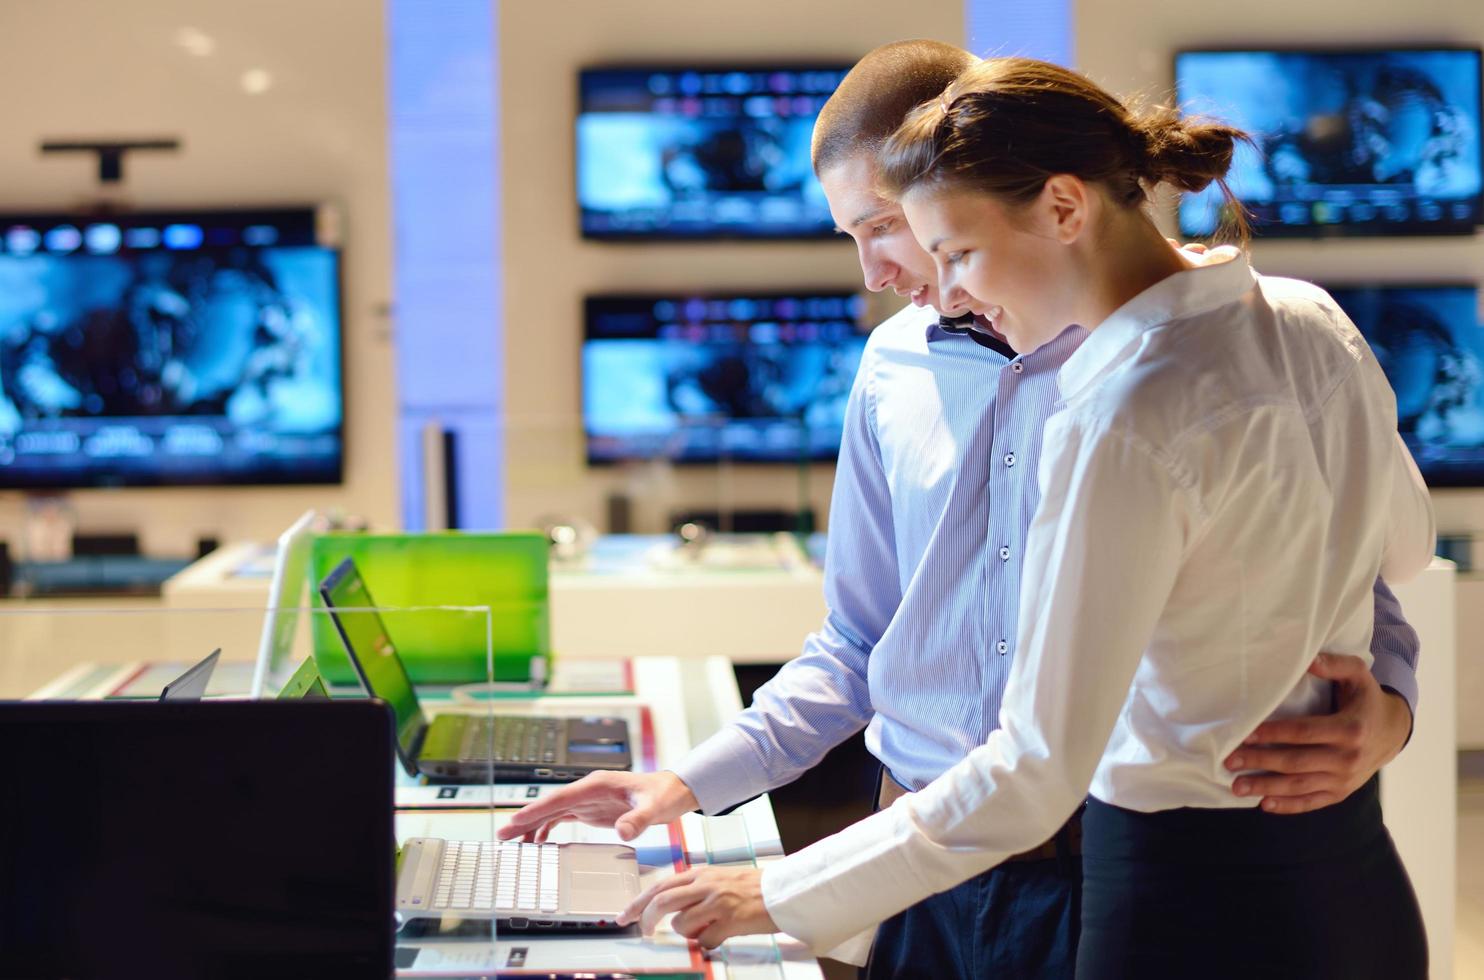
(1419, 790)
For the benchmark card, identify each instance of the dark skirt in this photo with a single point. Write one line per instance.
(1242, 893)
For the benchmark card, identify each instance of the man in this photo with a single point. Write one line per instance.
(934, 493)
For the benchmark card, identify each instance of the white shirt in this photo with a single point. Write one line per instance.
(1218, 495)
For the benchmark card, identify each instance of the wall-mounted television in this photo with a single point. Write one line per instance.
(701, 152)
(698, 379)
(170, 349)
(1348, 142)
(1430, 342)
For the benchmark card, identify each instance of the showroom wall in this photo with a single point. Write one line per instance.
(549, 268)
(1129, 46)
(315, 133)
(319, 133)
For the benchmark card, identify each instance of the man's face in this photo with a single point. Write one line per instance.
(890, 256)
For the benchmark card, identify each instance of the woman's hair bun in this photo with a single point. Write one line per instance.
(1187, 152)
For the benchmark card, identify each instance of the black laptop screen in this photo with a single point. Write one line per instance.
(370, 647)
(212, 839)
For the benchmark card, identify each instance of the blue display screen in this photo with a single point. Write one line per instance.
(1347, 142)
(704, 378)
(169, 350)
(583, 748)
(703, 153)
(1431, 345)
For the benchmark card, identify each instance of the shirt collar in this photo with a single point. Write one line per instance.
(1224, 276)
(965, 326)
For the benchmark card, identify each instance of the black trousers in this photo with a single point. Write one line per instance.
(1019, 920)
(1242, 893)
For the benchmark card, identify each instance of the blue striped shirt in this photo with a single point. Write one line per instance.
(934, 493)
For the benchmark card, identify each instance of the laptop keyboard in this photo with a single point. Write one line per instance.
(524, 741)
(497, 875)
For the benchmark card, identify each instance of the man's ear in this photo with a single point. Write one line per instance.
(1066, 200)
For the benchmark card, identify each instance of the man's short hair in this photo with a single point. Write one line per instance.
(875, 96)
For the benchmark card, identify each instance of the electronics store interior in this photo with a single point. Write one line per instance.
(453, 520)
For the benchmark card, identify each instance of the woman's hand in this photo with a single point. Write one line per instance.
(710, 904)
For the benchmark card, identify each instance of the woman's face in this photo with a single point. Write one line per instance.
(998, 261)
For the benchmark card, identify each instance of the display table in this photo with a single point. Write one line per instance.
(683, 701)
(627, 602)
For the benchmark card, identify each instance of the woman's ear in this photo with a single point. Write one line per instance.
(1065, 201)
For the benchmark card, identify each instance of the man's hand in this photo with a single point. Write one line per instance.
(626, 801)
(1318, 760)
(711, 904)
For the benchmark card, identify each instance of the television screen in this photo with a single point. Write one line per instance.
(169, 349)
(701, 153)
(1430, 343)
(1347, 142)
(698, 379)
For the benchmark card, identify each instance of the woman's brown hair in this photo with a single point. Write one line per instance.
(1007, 124)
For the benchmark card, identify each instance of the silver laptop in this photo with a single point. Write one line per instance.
(191, 686)
(521, 886)
(290, 573)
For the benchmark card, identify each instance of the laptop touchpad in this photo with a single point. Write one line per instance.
(595, 893)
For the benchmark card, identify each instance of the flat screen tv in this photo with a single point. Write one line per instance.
(697, 153)
(698, 379)
(169, 349)
(1430, 343)
(1348, 142)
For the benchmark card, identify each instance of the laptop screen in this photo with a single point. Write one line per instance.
(285, 592)
(241, 838)
(371, 649)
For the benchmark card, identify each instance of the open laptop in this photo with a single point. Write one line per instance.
(290, 573)
(464, 748)
(191, 686)
(213, 839)
(304, 683)
(520, 886)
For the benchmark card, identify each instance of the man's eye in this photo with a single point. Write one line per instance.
(882, 228)
(953, 258)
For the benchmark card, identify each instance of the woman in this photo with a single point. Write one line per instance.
(1218, 495)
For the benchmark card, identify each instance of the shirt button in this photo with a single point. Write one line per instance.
(1017, 367)
(1002, 648)
(1009, 459)
(1005, 553)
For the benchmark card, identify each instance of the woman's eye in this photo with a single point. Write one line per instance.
(953, 258)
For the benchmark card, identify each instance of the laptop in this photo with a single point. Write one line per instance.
(191, 686)
(563, 887)
(304, 683)
(464, 748)
(290, 573)
(211, 839)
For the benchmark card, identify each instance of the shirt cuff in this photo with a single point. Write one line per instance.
(856, 950)
(722, 771)
(833, 892)
(1392, 671)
